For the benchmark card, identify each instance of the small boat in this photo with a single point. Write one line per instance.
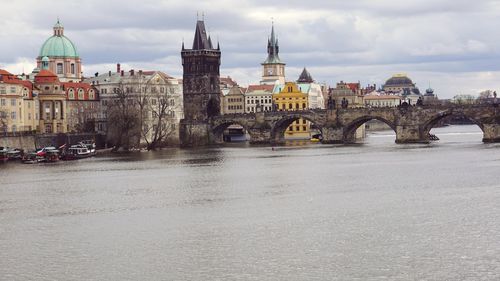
(15, 154)
(90, 144)
(77, 151)
(316, 138)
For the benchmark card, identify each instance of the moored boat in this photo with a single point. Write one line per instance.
(77, 151)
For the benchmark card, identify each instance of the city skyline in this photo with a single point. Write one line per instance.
(446, 43)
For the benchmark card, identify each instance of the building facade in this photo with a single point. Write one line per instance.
(291, 98)
(18, 106)
(148, 92)
(233, 101)
(259, 97)
(346, 95)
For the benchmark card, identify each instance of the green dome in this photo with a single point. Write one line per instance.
(58, 46)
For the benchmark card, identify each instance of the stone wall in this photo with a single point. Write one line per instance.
(25, 142)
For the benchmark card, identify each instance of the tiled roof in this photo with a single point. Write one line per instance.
(268, 88)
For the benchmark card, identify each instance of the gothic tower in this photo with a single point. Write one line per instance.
(201, 90)
(273, 69)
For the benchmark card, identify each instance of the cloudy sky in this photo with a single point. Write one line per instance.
(452, 44)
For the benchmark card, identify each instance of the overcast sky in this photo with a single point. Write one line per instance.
(452, 44)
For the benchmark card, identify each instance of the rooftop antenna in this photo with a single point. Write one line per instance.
(203, 16)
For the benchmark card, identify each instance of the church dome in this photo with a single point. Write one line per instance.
(397, 80)
(58, 45)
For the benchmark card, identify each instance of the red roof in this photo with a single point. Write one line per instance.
(267, 88)
(353, 86)
(228, 81)
(5, 72)
(9, 78)
(46, 76)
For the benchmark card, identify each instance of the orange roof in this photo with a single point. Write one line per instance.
(353, 86)
(46, 76)
(268, 88)
(5, 72)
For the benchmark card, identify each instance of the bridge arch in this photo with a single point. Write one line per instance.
(349, 134)
(279, 127)
(435, 119)
(218, 129)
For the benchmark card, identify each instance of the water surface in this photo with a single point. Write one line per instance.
(372, 211)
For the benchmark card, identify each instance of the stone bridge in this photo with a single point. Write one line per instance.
(411, 124)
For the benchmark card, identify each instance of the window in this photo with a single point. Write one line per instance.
(73, 68)
(59, 68)
(14, 128)
(2, 90)
(13, 102)
(29, 116)
(2, 102)
(12, 89)
(91, 95)
(80, 94)
(13, 115)
(71, 94)
(162, 89)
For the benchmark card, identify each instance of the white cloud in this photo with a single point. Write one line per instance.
(452, 44)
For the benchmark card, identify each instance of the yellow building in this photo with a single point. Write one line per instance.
(290, 98)
(17, 104)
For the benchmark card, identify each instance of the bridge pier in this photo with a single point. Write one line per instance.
(260, 136)
(410, 134)
(193, 133)
(332, 135)
(491, 133)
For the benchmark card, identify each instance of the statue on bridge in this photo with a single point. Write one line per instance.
(345, 103)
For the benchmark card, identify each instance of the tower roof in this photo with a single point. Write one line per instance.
(273, 49)
(305, 77)
(58, 45)
(201, 41)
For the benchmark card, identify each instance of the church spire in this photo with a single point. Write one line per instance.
(201, 42)
(272, 48)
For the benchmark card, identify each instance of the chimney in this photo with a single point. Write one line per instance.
(96, 74)
(117, 68)
(109, 73)
(131, 72)
(121, 73)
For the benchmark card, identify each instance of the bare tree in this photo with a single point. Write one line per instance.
(123, 119)
(162, 121)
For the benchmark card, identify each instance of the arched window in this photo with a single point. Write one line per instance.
(80, 94)
(297, 106)
(290, 106)
(303, 106)
(14, 128)
(91, 95)
(71, 94)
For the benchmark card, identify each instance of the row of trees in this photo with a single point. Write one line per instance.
(139, 116)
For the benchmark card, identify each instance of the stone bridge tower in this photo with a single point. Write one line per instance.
(201, 90)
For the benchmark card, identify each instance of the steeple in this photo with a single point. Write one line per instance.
(272, 48)
(201, 42)
(305, 77)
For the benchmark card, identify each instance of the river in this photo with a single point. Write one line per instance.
(372, 211)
